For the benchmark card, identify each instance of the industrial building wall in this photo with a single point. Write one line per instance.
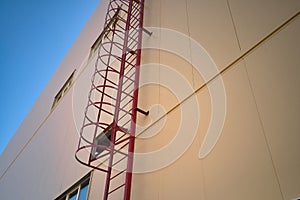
(253, 46)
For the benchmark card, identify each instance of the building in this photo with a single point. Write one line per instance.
(220, 79)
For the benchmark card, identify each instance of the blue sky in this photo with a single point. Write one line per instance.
(35, 35)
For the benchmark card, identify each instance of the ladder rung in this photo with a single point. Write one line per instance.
(127, 95)
(126, 121)
(120, 152)
(119, 161)
(129, 85)
(122, 117)
(124, 145)
(129, 71)
(126, 104)
(119, 142)
(134, 37)
(118, 174)
(107, 112)
(111, 97)
(125, 111)
(116, 188)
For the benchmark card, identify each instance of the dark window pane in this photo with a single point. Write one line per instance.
(73, 195)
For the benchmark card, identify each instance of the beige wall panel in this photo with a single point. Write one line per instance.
(149, 88)
(274, 74)
(211, 26)
(175, 72)
(183, 67)
(204, 101)
(257, 18)
(149, 185)
(167, 98)
(240, 167)
(146, 186)
(47, 162)
(178, 180)
(183, 179)
(149, 79)
(161, 138)
(26, 130)
(198, 80)
(152, 12)
(149, 56)
(73, 170)
(15, 183)
(174, 15)
(148, 98)
(57, 141)
(96, 189)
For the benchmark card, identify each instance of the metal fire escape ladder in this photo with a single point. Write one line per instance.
(107, 135)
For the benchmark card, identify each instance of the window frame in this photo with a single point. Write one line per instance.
(101, 139)
(102, 35)
(63, 91)
(76, 188)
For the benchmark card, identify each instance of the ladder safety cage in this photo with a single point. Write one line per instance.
(108, 132)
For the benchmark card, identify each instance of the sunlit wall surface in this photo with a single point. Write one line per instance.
(221, 82)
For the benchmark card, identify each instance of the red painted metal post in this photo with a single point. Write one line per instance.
(134, 106)
(118, 100)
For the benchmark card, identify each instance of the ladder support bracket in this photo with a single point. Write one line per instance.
(142, 111)
(147, 31)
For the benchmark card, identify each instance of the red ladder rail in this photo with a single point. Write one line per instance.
(107, 135)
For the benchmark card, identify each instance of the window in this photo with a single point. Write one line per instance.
(79, 191)
(63, 90)
(102, 139)
(109, 26)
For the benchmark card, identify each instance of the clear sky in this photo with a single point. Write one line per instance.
(35, 35)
